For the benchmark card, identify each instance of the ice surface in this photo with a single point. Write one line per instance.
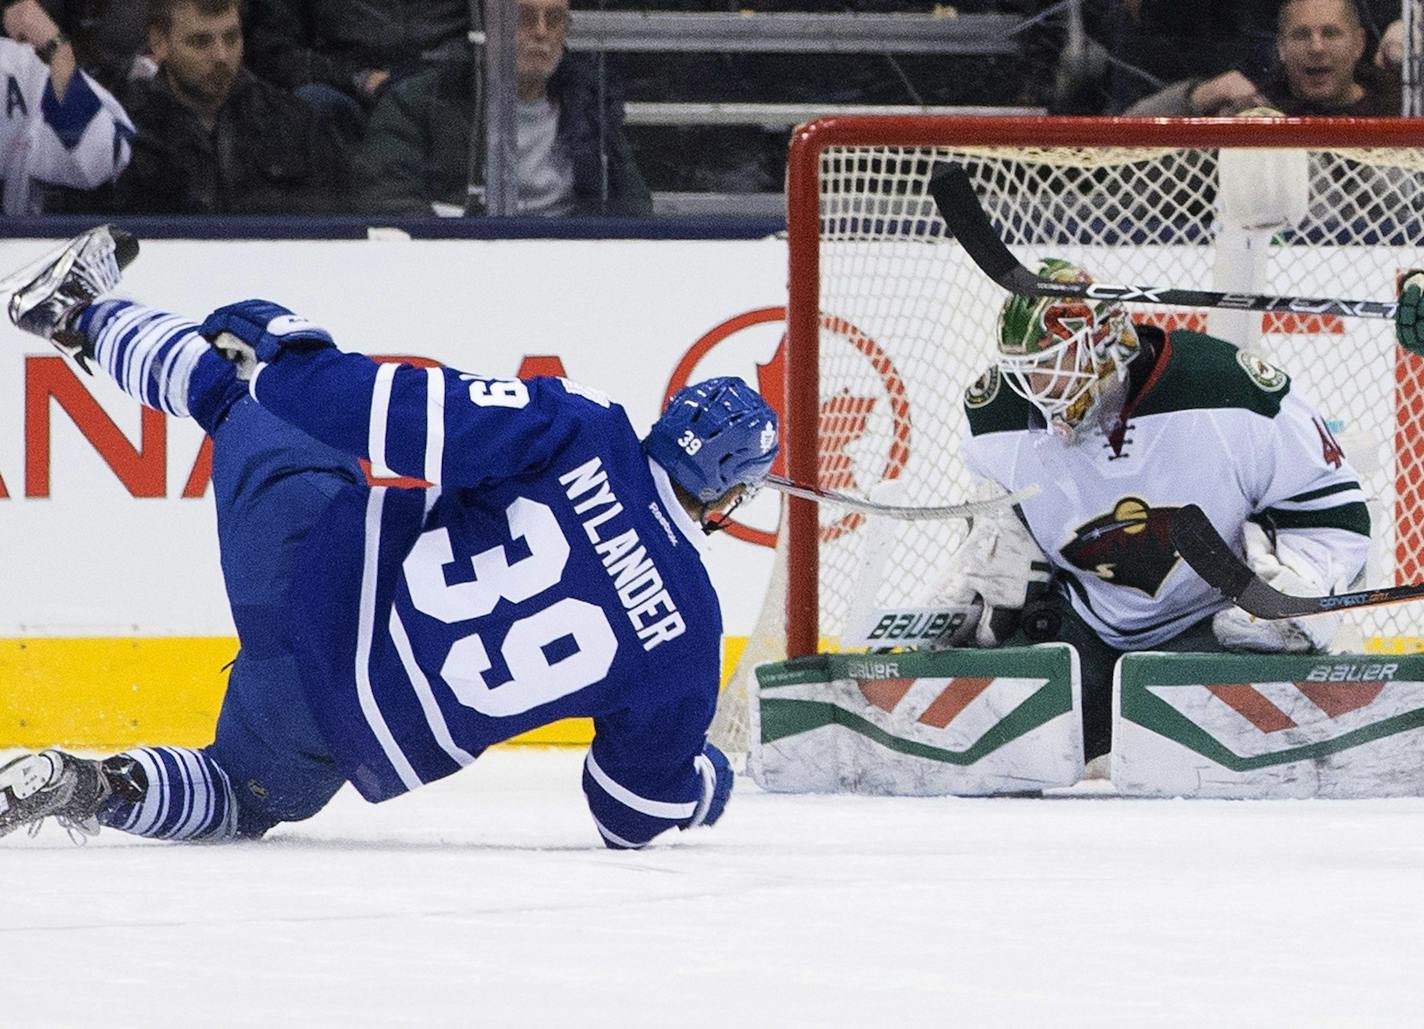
(487, 900)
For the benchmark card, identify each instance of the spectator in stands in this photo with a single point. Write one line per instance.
(1321, 45)
(1147, 44)
(59, 126)
(1389, 55)
(214, 138)
(338, 54)
(573, 155)
(1134, 48)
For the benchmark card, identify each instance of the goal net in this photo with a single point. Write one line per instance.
(889, 320)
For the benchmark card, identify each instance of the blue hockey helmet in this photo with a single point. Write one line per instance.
(715, 434)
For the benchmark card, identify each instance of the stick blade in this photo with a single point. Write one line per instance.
(1202, 547)
(959, 206)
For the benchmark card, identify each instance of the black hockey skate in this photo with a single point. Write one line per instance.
(48, 295)
(52, 784)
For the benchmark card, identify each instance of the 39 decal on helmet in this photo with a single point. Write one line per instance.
(1064, 356)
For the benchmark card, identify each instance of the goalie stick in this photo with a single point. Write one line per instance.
(1202, 547)
(912, 514)
(961, 210)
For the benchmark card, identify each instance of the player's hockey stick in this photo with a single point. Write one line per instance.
(912, 514)
(960, 208)
(1202, 547)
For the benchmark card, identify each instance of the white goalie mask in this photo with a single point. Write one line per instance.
(1067, 357)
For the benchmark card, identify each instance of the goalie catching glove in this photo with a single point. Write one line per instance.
(253, 332)
(1290, 573)
(998, 566)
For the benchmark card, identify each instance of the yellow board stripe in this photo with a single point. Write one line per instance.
(112, 693)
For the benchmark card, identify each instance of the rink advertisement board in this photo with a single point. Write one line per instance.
(113, 622)
(1253, 726)
(919, 723)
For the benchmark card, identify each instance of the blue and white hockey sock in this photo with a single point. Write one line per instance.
(188, 797)
(159, 359)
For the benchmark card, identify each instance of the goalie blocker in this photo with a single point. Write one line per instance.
(1008, 721)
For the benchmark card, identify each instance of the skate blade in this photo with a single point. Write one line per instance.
(16, 281)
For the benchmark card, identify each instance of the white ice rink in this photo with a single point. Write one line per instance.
(486, 900)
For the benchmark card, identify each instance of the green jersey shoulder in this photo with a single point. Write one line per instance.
(991, 406)
(1201, 371)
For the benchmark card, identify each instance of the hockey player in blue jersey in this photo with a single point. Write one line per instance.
(388, 636)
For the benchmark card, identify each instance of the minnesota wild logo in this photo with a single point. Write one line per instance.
(1262, 373)
(1128, 547)
(984, 389)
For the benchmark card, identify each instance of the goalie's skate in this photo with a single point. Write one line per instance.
(45, 297)
(52, 784)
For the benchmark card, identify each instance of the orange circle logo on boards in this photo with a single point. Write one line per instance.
(843, 419)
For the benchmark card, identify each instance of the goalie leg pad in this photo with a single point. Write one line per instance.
(1268, 726)
(961, 722)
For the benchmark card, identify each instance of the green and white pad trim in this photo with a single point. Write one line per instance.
(1261, 726)
(962, 722)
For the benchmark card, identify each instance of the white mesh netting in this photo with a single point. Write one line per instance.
(907, 322)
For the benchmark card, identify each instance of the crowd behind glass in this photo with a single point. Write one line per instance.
(362, 106)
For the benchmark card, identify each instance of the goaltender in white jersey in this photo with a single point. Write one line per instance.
(59, 126)
(1120, 424)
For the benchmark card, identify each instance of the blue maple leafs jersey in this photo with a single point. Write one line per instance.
(549, 572)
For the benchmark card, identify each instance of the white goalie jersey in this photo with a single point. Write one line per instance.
(1209, 425)
(82, 141)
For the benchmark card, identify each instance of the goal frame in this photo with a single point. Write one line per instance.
(809, 141)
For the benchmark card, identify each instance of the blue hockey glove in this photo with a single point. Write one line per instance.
(1409, 315)
(716, 792)
(253, 331)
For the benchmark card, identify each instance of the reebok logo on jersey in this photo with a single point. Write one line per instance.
(1129, 547)
(661, 519)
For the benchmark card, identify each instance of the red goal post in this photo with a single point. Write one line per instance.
(887, 321)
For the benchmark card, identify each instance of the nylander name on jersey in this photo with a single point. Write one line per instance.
(552, 573)
(639, 583)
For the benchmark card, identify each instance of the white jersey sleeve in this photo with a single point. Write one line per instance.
(1305, 489)
(81, 141)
